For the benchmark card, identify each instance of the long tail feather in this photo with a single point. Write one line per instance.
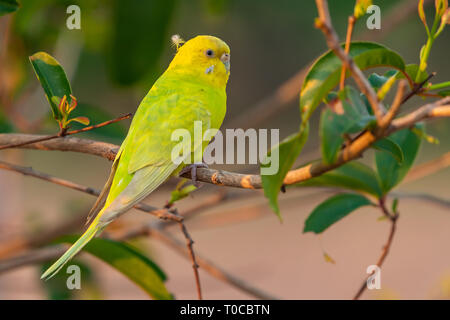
(93, 229)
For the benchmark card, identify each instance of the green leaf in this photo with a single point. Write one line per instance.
(332, 210)
(333, 126)
(53, 80)
(411, 70)
(113, 132)
(324, 75)
(376, 80)
(421, 132)
(389, 146)
(389, 170)
(288, 151)
(8, 6)
(444, 93)
(352, 175)
(395, 205)
(5, 125)
(130, 262)
(139, 35)
(181, 192)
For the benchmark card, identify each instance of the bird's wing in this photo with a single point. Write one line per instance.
(146, 160)
(153, 141)
(101, 199)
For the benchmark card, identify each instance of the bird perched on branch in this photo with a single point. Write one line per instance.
(192, 89)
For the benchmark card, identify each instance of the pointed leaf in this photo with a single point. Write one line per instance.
(139, 35)
(389, 170)
(288, 151)
(8, 6)
(389, 146)
(53, 80)
(324, 75)
(332, 210)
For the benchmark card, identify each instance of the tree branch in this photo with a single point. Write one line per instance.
(324, 24)
(440, 108)
(289, 90)
(64, 133)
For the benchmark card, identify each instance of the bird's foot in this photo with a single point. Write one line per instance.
(192, 168)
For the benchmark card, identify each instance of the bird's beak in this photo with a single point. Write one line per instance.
(225, 58)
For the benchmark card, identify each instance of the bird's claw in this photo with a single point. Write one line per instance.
(192, 168)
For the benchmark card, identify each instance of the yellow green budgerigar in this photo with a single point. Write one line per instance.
(192, 89)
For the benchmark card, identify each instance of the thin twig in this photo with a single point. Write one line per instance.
(418, 88)
(324, 24)
(64, 133)
(393, 217)
(348, 40)
(189, 245)
(393, 110)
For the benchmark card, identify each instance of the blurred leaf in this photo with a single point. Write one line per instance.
(386, 87)
(352, 175)
(324, 75)
(333, 126)
(422, 13)
(8, 6)
(332, 210)
(421, 132)
(130, 262)
(376, 80)
(181, 192)
(113, 132)
(444, 93)
(5, 125)
(411, 70)
(389, 170)
(361, 8)
(138, 37)
(53, 80)
(289, 149)
(390, 147)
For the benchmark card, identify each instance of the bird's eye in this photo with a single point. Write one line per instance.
(209, 53)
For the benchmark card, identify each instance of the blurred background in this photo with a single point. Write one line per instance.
(112, 61)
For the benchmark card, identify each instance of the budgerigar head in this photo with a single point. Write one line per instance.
(206, 56)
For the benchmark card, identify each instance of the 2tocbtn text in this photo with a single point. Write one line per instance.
(227, 309)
